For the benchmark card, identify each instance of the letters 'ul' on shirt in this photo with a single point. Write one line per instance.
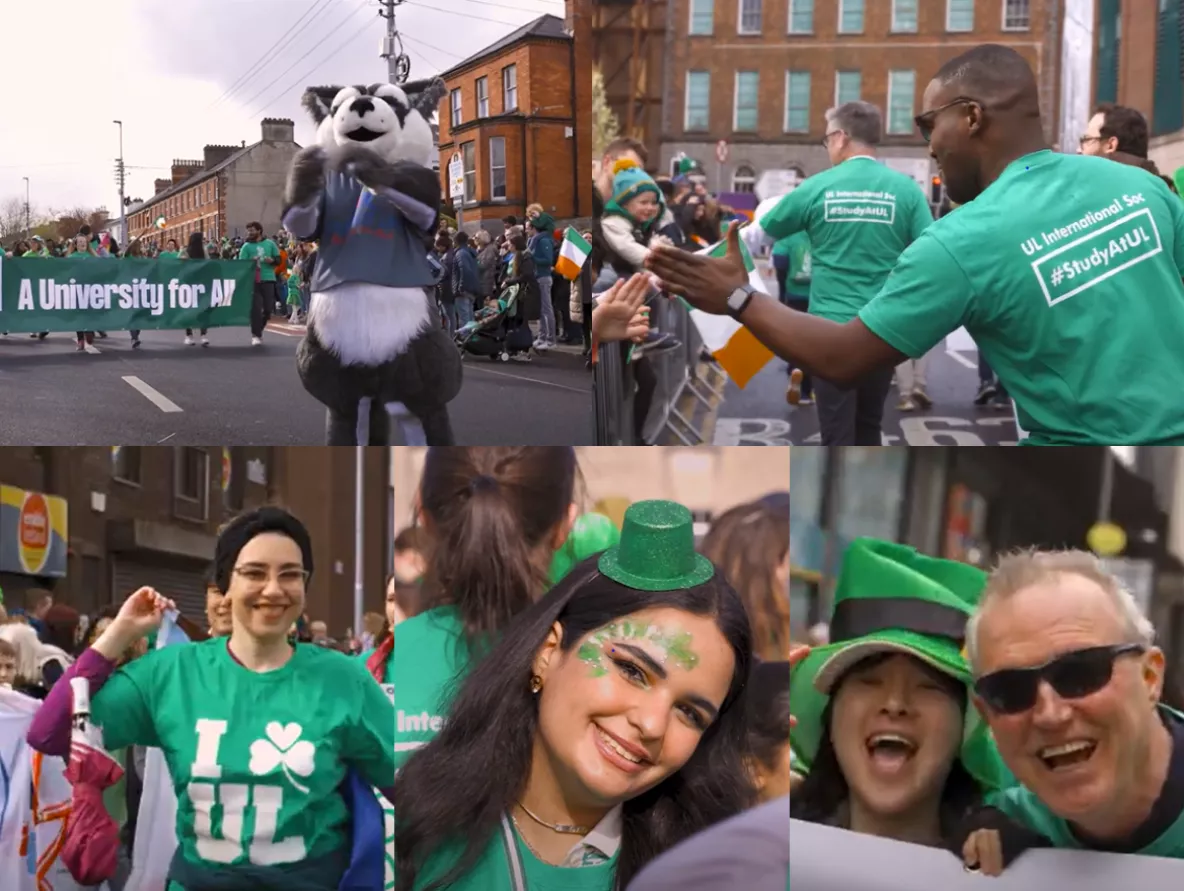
(1066, 272)
(431, 658)
(859, 216)
(256, 758)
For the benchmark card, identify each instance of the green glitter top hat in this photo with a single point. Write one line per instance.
(657, 550)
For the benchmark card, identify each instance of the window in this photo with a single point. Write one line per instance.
(497, 168)
(797, 101)
(959, 15)
(510, 88)
(1167, 109)
(904, 16)
(1106, 57)
(750, 17)
(748, 85)
(191, 483)
(483, 97)
(1017, 15)
(125, 464)
(744, 179)
(454, 103)
(698, 110)
(850, 16)
(902, 87)
(702, 17)
(848, 86)
(801, 16)
(469, 155)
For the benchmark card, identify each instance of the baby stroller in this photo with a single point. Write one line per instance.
(500, 333)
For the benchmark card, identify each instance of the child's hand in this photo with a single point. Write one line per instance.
(983, 852)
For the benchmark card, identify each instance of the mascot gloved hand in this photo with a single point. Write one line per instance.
(367, 194)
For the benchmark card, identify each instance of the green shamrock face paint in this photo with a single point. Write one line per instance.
(672, 646)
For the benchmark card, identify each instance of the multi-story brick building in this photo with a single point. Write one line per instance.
(150, 516)
(760, 74)
(516, 113)
(218, 195)
(1138, 61)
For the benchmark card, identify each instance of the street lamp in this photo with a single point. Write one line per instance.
(28, 222)
(122, 175)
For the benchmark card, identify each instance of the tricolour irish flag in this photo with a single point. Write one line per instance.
(572, 254)
(734, 347)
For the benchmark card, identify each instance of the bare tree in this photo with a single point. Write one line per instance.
(12, 218)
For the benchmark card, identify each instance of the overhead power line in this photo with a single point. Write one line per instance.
(424, 43)
(464, 15)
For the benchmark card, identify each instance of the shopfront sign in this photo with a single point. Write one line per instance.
(33, 533)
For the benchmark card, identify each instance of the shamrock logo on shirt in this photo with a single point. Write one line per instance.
(283, 748)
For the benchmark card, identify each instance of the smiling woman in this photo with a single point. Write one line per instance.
(602, 729)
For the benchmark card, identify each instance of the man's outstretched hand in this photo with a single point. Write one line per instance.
(620, 313)
(706, 282)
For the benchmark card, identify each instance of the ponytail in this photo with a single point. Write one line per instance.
(487, 511)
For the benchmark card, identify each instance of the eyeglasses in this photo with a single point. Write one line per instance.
(826, 138)
(1073, 675)
(1087, 138)
(926, 121)
(256, 578)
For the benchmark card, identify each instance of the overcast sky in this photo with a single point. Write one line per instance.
(164, 69)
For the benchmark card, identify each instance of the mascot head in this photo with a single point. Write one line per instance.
(391, 120)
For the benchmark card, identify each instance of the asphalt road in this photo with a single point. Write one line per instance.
(758, 414)
(234, 394)
(953, 419)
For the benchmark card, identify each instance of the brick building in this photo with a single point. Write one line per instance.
(218, 195)
(150, 516)
(1138, 60)
(511, 113)
(726, 74)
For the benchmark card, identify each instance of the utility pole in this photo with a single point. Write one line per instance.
(398, 65)
(28, 213)
(121, 178)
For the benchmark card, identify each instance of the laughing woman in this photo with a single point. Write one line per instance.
(604, 727)
(882, 720)
(258, 733)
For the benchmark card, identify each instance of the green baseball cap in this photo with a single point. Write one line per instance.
(657, 549)
(892, 599)
(590, 534)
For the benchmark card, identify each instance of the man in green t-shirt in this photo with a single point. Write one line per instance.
(1065, 269)
(859, 216)
(795, 293)
(266, 255)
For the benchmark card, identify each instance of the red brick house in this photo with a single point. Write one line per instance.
(511, 114)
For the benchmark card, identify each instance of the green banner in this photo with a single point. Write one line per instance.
(109, 294)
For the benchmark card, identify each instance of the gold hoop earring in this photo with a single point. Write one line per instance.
(536, 683)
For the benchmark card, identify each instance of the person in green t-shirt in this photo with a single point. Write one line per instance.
(258, 733)
(171, 251)
(795, 293)
(1069, 679)
(1065, 269)
(604, 723)
(859, 216)
(266, 255)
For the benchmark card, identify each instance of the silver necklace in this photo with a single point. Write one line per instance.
(561, 828)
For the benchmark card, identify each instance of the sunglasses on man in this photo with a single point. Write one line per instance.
(1073, 675)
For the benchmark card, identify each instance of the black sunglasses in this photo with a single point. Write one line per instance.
(1073, 675)
(926, 121)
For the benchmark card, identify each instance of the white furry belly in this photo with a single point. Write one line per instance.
(366, 324)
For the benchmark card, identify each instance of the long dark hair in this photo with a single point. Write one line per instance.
(768, 711)
(824, 790)
(457, 787)
(486, 511)
(196, 249)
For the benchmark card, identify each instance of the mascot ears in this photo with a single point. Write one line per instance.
(424, 95)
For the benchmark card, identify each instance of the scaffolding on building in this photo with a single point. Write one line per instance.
(629, 40)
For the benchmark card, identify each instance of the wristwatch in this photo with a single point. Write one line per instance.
(739, 299)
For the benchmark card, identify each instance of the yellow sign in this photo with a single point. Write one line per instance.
(33, 526)
(1106, 539)
(33, 532)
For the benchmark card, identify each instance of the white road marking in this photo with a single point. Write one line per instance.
(92, 349)
(533, 380)
(962, 360)
(154, 396)
(167, 438)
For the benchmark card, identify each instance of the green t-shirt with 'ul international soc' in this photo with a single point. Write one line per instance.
(256, 758)
(1066, 272)
(859, 217)
(430, 660)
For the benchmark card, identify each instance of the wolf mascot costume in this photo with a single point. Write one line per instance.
(366, 192)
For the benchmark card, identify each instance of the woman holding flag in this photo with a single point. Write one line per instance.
(255, 730)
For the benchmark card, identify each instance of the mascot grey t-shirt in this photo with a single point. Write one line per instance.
(365, 238)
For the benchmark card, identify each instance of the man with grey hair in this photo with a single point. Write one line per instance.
(1069, 679)
(860, 216)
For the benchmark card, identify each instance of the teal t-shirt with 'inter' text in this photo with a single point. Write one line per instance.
(1066, 271)
(859, 217)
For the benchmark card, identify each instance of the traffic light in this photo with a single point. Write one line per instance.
(935, 190)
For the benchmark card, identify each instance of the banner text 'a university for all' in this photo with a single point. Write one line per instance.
(107, 294)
